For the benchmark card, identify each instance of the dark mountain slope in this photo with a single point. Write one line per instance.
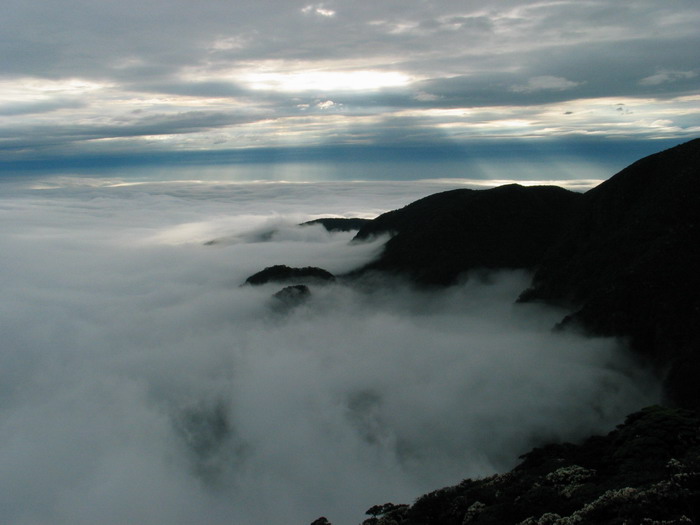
(624, 257)
(627, 264)
(630, 264)
(645, 471)
(443, 235)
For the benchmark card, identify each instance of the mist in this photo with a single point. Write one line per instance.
(141, 383)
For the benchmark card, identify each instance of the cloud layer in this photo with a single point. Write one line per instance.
(141, 383)
(174, 77)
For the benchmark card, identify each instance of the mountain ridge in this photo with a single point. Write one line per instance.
(623, 257)
(439, 237)
(629, 265)
(625, 260)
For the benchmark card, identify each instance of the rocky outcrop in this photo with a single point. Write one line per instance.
(291, 296)
(437, 238)
(281, 273)
(646, 471)
(333, 224)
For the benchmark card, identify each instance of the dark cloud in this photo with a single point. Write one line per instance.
(28, 108)
(75, 136)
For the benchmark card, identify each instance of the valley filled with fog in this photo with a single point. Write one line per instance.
(141, 383)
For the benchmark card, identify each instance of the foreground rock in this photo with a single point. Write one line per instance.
(281, 273)
(646, 471)
(437, 238)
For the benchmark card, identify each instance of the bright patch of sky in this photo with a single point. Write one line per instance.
(119, 82)
(325, 81)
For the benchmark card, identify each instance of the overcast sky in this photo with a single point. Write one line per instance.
(89, 84)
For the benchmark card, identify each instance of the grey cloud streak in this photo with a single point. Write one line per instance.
(110, 40)
(196, 58)
(163, 124)
(39, 107)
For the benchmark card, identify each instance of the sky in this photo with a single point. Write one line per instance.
(412, 88)
(141, 383)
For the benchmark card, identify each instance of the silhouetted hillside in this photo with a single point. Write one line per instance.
(625, 258)
(630, 264)
(437, 238)
(333, 224)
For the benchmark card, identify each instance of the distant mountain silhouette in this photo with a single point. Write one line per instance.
(439, 237)
(333, 224)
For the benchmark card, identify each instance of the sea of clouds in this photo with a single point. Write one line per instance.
(140, 383)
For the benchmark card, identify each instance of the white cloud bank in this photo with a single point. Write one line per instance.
(140, 384)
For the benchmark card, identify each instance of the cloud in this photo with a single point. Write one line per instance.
(323, 81)
(664, 77)
(318, 9)
(326, 104)
(545, 83)
(43, 106)
(270, 61)
(106, 133)
(141, 383)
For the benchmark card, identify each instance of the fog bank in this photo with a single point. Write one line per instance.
(140, 383)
